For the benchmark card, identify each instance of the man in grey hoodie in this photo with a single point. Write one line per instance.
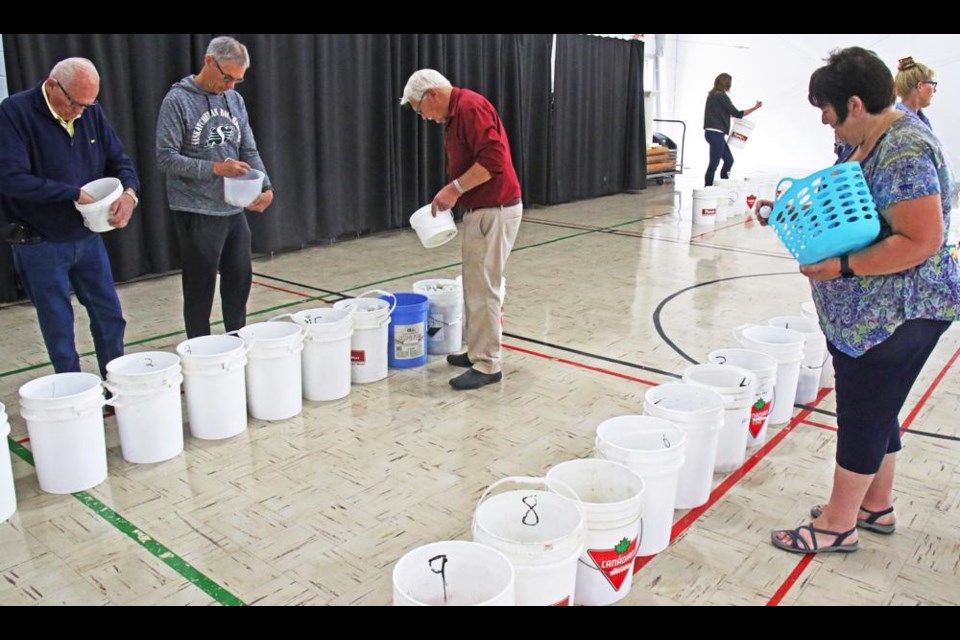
(203, 136)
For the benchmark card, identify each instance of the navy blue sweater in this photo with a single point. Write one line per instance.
(42, 168)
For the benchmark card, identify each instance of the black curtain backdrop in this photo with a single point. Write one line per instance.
(597, 137)
(344, 157)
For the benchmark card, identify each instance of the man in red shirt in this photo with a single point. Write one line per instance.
(485, 184)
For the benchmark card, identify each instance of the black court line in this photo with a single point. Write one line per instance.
(342, 295)
(938, 436)
(593, 355)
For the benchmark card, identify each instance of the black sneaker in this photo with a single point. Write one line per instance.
(459, 360)
(473, 379)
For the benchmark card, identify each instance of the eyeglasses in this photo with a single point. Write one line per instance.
(931, 83)
(418, 110)
(75, 103)
(226, 76)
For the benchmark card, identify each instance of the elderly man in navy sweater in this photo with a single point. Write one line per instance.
(55, 138)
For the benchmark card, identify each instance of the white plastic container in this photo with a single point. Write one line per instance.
(699, 413)
(213, 378)
(274, 369)
(326, 352)
(445, 318)
(453, 573)
(146, 394)
(8, 494)
(740, 131)
(737, 387)
(809, 310)
(540, 531)
(815, 354)
(64, 414)
(105, 191)
(369, 343)
(241, 191)
(786, 345)
(612, 496)
(654, 449)
(765, 368)
(705, 206)
(433, 231)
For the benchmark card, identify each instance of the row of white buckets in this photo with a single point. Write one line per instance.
(729, 197)
(8, 495)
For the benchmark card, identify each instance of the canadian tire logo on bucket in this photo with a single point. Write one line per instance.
(758, 413)
(738, 136)
(617, 563)
(708, 212)
(562, 603)
(751, 200)
(358, 357)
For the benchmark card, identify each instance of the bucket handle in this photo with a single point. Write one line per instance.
(304, 329)
(65, 413)
(118, 395)
(446, 324)
(384, 293)
(539, 482)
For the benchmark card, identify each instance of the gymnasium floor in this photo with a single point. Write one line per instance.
(605, 298)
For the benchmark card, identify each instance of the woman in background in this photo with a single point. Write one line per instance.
(916, 84)
(716, 125)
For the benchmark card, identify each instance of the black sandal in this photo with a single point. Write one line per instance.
(798, 545)
(870, 522)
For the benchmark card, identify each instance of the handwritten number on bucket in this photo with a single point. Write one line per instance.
(531, 513)
(666, 441)
(442, 572)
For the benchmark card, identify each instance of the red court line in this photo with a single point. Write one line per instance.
(691, 516)
(580, 365)
(792, 578)
(296, 293)
(819, 424)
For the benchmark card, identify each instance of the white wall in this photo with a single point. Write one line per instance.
(776, 68)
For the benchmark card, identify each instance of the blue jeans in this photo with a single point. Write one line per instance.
(47, 271)
(718, 149)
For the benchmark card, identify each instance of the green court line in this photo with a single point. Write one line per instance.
(193, 575)
(313, 299)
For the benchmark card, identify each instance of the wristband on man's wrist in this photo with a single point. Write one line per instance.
(458, 186)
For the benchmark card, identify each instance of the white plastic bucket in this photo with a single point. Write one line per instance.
(65, 423)
(445, 318)
(612, 497)
(146, 394)
(368, 345)
(705, 206)
(740, 131)
(542, 533)
(815, 354)
(105, 192)
(749, 194)
(726, 198)
(8, 494)
(765, 368)
(654, 449)
(809, 310)
(241, 191)
(274, 369)
(738, 388)
(453, 573)
(786, 345)
(213, 378)
(699, 413)
(326, 352)
(433, 231)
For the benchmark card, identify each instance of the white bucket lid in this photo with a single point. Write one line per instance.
(641, 438)
(145, 364)
(271, 333)
(473, 575)
(763, 364)
(216, 347)
(682, 400)
(77, 392)
(610, 491)
(729, 381)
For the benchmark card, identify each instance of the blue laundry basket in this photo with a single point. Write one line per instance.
(829, 213)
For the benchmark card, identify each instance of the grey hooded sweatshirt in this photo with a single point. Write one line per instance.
(196, 128)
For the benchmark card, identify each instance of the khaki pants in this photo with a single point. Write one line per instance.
(488, 237)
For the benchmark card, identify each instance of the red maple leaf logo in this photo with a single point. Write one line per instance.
(617, 563)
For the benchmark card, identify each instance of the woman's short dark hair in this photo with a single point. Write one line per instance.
(849, 72)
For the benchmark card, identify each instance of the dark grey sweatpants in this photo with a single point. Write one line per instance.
(209, 244)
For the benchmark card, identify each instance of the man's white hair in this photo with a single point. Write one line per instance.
(420, 81)
(227, 49)
(66, 70)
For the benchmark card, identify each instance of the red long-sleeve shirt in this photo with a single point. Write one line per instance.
(475, 133)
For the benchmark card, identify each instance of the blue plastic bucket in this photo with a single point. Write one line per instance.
(407, 343)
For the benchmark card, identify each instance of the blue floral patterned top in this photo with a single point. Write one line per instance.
(859, 313)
